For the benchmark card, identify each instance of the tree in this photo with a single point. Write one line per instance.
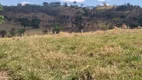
(56, 29)
(140, 21)
(79, 22)
(1, 17)
(55, 4)
(65, 4)
(21, 32)
(116, 21)
(86, 12)
(75, 3)
(35, 23)
(45, 4)
(19, 5)
(24, 22)
(2, 33)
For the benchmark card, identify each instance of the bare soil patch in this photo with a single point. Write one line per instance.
(4, 75)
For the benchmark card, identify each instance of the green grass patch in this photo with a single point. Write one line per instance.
(103, 55)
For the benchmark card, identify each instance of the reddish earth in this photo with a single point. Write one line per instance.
(4, 75)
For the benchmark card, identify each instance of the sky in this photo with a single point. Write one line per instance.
(85, 2)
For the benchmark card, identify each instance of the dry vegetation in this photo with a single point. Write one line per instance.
(102, 55)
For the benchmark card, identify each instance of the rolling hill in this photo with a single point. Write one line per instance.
(71, 18)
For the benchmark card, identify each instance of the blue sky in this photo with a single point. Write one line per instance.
(86, 2)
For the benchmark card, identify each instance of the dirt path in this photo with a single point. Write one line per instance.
(4, 75)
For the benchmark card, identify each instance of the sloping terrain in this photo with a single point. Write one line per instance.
(102, 55)
(71, 18)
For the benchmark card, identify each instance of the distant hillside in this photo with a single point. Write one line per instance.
(54, 16)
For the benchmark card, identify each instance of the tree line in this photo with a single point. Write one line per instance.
(85, 18)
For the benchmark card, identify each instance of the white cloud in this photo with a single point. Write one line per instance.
(102, 0)
(24, 3)
(73, 0)
(106, 4)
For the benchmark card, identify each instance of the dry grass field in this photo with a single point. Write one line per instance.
(101, 55)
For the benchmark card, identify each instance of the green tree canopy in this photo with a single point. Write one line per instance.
(1, 17)
(79, 22)
(21, 32)
(24, 22)
(35, 23)
(140, 21)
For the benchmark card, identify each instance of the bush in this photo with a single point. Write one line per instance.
(2, 33)
(44, 32)
(56, 30)
(12, 32)
(21, 32)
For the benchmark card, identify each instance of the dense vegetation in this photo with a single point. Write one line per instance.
(56, 16)
(1, 17)
(103, 55)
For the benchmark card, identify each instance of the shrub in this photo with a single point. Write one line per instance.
(56, 30)
(21, 32)
(12, 32)
(2, 33)
(44, 32)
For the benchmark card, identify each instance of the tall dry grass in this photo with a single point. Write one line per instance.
(102, 55)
